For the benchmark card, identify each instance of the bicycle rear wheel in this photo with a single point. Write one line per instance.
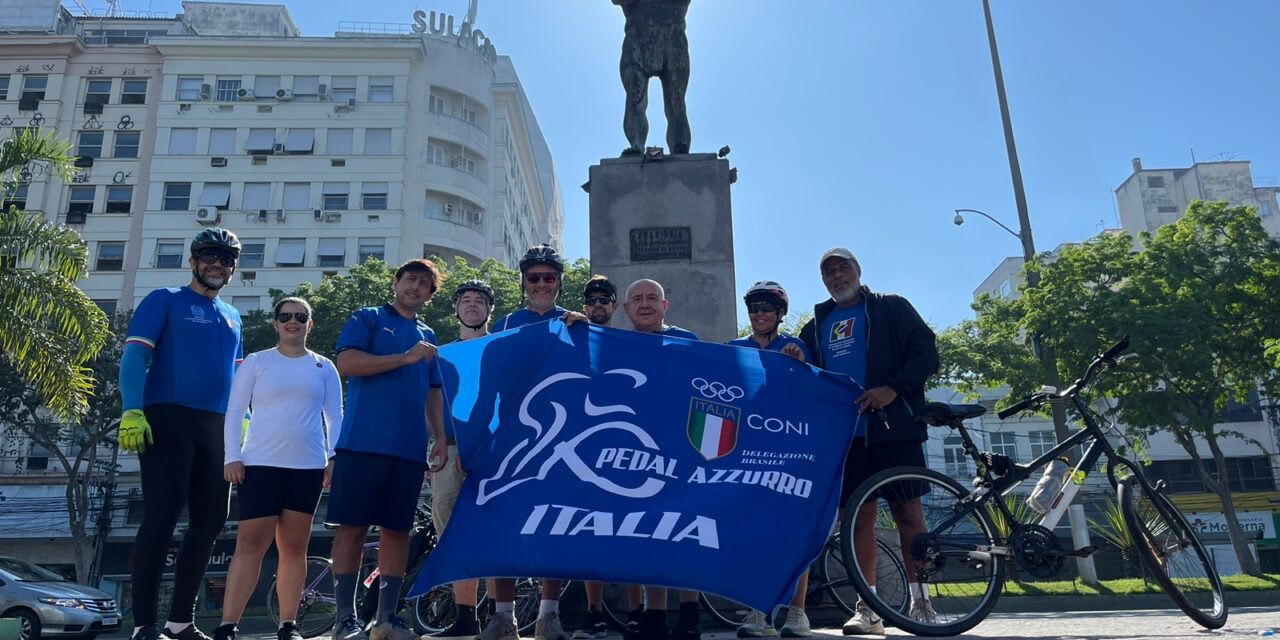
(528, 598)
(891, 578)
(434, 610)
(317, 606)
(952, 557)
(1170, 550)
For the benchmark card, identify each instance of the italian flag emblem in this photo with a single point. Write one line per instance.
(713, 428)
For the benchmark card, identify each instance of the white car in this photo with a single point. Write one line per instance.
(50, 606)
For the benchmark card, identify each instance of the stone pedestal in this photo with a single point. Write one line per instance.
(670, 220)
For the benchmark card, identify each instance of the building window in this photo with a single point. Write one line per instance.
(306, 88)
(189, 88)
(297, 196)
(1041, 442)
(382, 89)
(1004, 444)
(81, 200)
(265, 86)
(1166, 209)
(468, 114)
(261, 142)
(1155, 182)
(373, 196)
(228, 89)
(1243, 474)
(168, 254)
(463, 164)
(336, 196)
(343, 88)
(14, 195)
(134, 92)
(332, 252)
(126, 144)
(182, 142)
(377, 142)
(257, 196)
(216, 195)
(222, 142)
(437, 155)
(89, 144)
(371, 248)
(300, 141)
(1006, 288)
(436, 104)
(291, 252)
(108, 306)
(119, 199)
(955, 461)
(177, 196)
(339, 142)
(110, 256)
(246, 304)
(98, 91)
(251, 253)
(4, 87)
(33, 87)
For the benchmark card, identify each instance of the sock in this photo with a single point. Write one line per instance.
(284, 622)
(388, 596)
(507, 609)
(917, 591)
(176, 627)
(548, 606)
(225, 623)
(344, 590)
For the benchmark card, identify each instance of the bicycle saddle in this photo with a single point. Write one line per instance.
(941, 414)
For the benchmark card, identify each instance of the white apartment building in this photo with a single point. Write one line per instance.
(1149, 198)
(317, 151)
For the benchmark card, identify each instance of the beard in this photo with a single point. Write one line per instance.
(842, 296)
(213, 285)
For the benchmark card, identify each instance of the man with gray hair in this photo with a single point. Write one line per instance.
(880, 341)
(646, 305)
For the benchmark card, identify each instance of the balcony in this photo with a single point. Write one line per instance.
(458, 131)
(459, 183)
(456, 235)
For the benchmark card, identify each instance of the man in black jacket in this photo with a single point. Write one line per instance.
(879, 340)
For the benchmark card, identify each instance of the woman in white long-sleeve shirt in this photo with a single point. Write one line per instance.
(283, 462)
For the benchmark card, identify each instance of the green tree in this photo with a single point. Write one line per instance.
(49, 328)
(1197, 297)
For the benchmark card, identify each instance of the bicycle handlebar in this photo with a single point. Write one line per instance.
(1035, 400)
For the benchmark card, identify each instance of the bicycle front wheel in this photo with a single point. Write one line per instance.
(434, 610)
(1170, 550)
(952, 556)
(528, 599)
(317, 606)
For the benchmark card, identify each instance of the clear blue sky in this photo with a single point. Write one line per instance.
(866, 123)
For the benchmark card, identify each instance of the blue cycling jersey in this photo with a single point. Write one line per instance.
(677, 332)
(780, 341)
(521, 317)
(195, 345)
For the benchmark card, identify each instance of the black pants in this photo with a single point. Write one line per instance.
(183, 468)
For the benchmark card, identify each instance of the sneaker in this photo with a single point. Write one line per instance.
(189, 632)
(635, 622)
(147, 632)
(593, 628)
(226, 632)
(393, 629)
(464, 628)
(687, 625)
(349, 628)
(654, 625)
(548, 627)
(922, 611)
(797, 624)
(864, 622)
(287, 631)
(756, 626)
(500, 627)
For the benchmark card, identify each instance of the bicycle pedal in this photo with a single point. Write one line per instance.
(1085, 552)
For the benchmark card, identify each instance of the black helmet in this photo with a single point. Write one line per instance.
(601, 284)
(216, 239)
(542, 254)
(474, 285)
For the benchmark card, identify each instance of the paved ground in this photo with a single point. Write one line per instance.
(1092, 625)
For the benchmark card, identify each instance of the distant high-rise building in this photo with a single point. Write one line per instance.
(1150, 198)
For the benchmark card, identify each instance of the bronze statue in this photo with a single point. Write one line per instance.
(655, 45)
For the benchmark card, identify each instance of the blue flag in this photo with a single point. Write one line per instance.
(602, 454)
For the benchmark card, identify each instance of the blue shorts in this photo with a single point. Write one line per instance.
(371, 489)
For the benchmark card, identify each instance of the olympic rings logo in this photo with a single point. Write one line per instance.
(717, 390)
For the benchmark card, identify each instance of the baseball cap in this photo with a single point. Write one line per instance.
(836, 252)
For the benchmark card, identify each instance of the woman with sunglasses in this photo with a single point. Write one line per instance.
(280, 463)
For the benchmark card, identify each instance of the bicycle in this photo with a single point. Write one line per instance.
(828, 578)
(960, 556)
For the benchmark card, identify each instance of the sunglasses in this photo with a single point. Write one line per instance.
(761, 307)
(595, 300)
(222, 259)
(301, 316)
(535, 278)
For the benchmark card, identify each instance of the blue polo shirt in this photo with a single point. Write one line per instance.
(385, 413)
(677, 332)
(195, 344)
(523, 316)
(780, 341)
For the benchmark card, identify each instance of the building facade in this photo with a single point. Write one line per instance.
(1150, 198)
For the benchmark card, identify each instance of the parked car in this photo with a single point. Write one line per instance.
(50, 606)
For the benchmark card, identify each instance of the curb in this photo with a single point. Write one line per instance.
(1142, 601)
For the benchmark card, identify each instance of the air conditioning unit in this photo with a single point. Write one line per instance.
(351, 102)
(28, 104)
(207, 215)
(448, 208)
(84, 161)
(206, 91)
(279, 215)
(278, 148)
(323, 90)
(284, 94)
(92, 108)
(317, 213)
(333, 216)
(217, 162)
(262, 215)
(245, 94)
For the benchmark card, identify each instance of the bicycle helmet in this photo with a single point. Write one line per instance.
(542, 254)
(600, 284)
(474, 285)
(767, 291)
(216, 239)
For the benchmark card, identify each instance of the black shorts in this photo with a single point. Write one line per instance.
(864, 461)
(370, 489)
(266, 491)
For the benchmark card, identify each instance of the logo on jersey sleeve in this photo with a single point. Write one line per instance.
(842, 330)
